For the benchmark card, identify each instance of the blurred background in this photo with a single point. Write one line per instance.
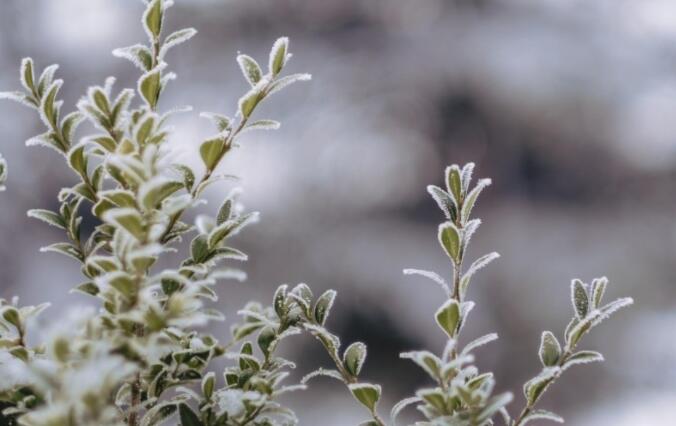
(570, 106)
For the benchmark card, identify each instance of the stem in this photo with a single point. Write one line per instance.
(347, 377)
(529, 407)
(562, 361)
(227, 142)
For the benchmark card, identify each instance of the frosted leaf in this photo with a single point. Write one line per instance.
(445, 201)
(262, 125)
(228, 274)
(258, 316)
(470, 228)
(287, 389)
(150, 84)
(432, 276)
(400, 406)
(535, 386)
(466, 176)
(49, 107)
(3, 173)
(46, 216)
(250, 69)
(18, 97)
(176, 38)
(583, 357)
(612, 307)
(153, 18)
(250, 100)
(449, 237)
(470, 199)
(453, 183)
(425, 360)
(448, 317)
(222, 122)
(448, 349)
(479, 342)
(596, 291)
(138, 54)
(322, 372)
(278, 55)
(580, 298)
(541, 415)
(494, 405)
(480, 263)
(27, 75)
(288, 80)
(550, 349)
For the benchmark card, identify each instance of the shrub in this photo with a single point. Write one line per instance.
(141, 359)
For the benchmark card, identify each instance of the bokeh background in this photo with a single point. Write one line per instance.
(570, 106)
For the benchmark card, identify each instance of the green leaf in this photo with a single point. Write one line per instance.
(150, 85)
(279, 301)
(454, 182)
(550, 349)
(66, 249)
(152, 19)
(248, 102)
(211, 151)
(122, 282)
(278, 55)
(224, 212)
(199, 249)
(88, 288)
(598, 288)
(323, 306)
(11, 315)
(303, 296)
(138, 54)
(436, 398)
(449, 238)
(425, 360)
(265, 340)
(209, 384)
(354, 357)
(580, 298)
(3, 173)
(250, 68)
(28, 75)
(470, 200)
(154, 191)
(49, 107)
(144, 130)
(188, 417)
(77, 160)
(19, 352)
(159, 413)
(188, 176)
(448, 317)
(70, 123)
(535, 386)
(100, 100)
(367, 394)
(128, 219)
(48, 217)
